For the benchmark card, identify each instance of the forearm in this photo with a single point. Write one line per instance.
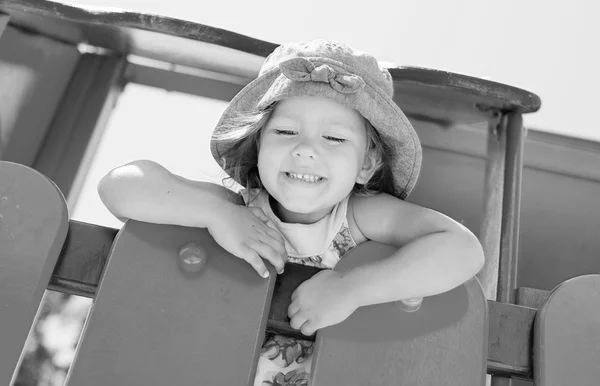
(427, 266)
(146, 191)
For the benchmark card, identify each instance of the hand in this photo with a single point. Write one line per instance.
(243, 232)
(319, 302)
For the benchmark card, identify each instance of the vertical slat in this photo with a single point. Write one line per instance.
(443, 343)
(511, 205)
(33, 227)
(155, 323)
(567, 334)
(491, 223)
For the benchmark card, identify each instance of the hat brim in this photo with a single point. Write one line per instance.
(371, 102)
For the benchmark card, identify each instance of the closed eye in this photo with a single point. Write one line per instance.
(335, 139)
(285, 132)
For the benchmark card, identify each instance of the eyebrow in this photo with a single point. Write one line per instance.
(333, 122)
(347, 126)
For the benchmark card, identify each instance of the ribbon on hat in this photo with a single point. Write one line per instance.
(303, 70)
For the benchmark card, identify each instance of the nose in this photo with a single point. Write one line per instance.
(305, 149)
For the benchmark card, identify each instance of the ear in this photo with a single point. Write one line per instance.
(371, 163)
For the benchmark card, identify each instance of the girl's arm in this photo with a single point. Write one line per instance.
(146, 191)
(435, 255)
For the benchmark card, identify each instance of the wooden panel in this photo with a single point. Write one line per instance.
(72, 139)
(153, 322)
(33, 227)
(34, 73)
(444, 342)
(567, 334)
(84, 257)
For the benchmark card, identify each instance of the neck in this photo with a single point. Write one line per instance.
(287, 216)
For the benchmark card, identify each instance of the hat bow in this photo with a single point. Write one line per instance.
(303, 70)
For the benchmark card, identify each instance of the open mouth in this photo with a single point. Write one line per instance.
(304, 177)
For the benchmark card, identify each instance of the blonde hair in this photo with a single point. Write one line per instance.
(240, 157)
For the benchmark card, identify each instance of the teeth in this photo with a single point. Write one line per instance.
(305, 177)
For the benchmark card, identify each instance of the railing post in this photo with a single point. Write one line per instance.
(511, 206)
(491, 222)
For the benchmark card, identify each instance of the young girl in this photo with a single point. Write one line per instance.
(326, 159)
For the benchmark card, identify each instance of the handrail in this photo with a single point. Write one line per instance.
(181, 42)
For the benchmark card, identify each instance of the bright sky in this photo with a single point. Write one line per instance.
(546, 47)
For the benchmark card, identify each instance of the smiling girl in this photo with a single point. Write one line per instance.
(326, 159)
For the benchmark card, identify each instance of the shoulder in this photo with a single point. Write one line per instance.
(390, 220)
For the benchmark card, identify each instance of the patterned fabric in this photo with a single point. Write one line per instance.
(286, 361)
(341, 243)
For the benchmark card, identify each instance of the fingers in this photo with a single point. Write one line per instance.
(259, 213)
(299, 322)
(308, 328)
(267, 252)
(256, 262)
(273, 238)
(279, 246)
(293, 309)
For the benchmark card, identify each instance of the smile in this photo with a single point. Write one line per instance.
(304, 177)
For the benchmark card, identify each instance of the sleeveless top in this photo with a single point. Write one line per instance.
(320, 244)
(286, 361)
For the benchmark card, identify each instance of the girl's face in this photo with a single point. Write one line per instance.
(312, 151)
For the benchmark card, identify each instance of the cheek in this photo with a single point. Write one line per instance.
(269, 158)
(266, 154)
(353, 156)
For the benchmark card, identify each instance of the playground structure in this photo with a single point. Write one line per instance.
(161, 319)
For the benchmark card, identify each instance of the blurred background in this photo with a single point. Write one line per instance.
(547, 47)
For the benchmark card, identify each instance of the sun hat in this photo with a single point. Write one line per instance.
(334, 70)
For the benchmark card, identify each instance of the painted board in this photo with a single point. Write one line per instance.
(442, 343)
(567, 334)
(153, 322)
(33, 226)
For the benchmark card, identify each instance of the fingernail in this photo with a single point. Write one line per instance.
(265, 274)
(280, 272)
